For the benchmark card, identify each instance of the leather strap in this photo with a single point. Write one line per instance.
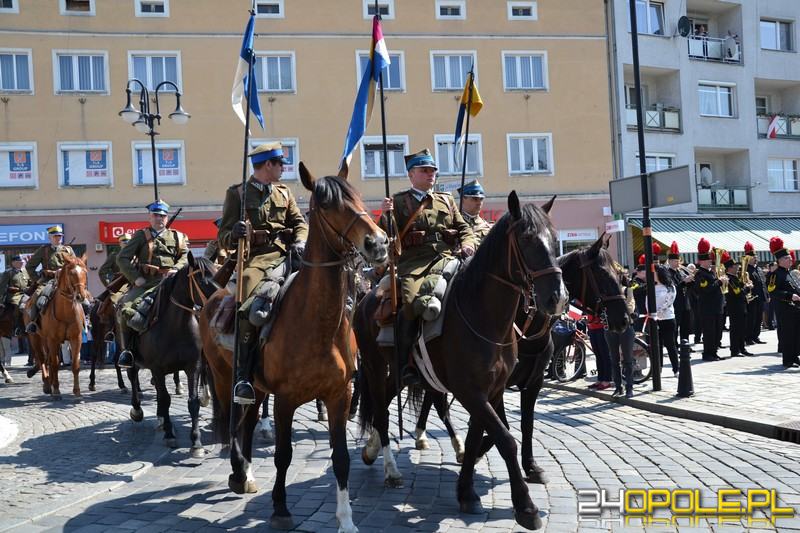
(413, 217)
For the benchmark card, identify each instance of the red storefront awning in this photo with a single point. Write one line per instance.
(196, 230)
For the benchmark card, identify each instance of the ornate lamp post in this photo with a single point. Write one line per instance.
(145, 121)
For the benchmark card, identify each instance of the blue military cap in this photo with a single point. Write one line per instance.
(160, 207)
(422, 158)
(218, 222)
(266, 152)
(472, 189)
(55, 230)
(16, 258)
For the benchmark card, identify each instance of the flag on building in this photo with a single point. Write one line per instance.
(240, 81)
(362, 109)
(772, 129)
(474, 108)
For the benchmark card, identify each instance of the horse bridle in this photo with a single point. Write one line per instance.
(585, 264)
(78, 290)
(194, 289)
(350, 249)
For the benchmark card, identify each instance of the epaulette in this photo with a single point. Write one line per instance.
(283, 189)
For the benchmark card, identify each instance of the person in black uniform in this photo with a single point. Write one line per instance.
(682, 278)
(710, 302)
(784, 291)
(736, 307)
(758, 297)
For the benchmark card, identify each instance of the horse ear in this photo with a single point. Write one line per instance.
(549, 205)
(192, 262)
(306, 178)
(513, 206)
(84, 258)
(594, 249)
(607, 240)
(344, 169)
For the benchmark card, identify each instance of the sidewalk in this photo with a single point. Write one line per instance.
(752, 394)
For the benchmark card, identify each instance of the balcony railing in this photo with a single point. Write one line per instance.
(656, 117)
(785, 127)
(723, 199)
(724, 50)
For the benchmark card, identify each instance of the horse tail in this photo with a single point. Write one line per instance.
(204, 385)
(416, 394)
(366, 411)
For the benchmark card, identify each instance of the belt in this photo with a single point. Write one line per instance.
(261, 236)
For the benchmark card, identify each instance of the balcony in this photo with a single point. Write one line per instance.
(786, 127)
(718, 49)
(723, 199)
(657, 117)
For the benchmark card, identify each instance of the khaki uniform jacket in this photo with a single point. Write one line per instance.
(478, 226)
(268, 208)
(12, 283)
(169, 250)
(440, 213)
(50, 258)
(109, 269)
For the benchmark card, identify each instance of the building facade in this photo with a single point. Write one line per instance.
(717, 75)
(67, 157)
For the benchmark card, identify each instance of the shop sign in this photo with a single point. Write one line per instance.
(25, 234)
(196, 230)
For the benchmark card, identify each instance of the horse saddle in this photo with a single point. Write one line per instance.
(266, 329)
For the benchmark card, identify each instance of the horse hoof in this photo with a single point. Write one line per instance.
(171, 443)
(9, 379)
(422, 444)
(250, 487)
(178, 391)
(471, 507)
(56, 396)
(460, 457)
(46, 389)
(77, 394)
(529, 519)
(322, 417)
(137, 415)
(283, 523)
(31, 372)
(393, 483)
(124, 390)
(536, 474)
(92, 388)
(198, 453)
(366, 458)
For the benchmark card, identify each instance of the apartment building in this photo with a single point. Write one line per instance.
(66, 156)
(709, 98)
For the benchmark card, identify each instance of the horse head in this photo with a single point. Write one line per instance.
(192, 285)
(72, 280)
(336, 208)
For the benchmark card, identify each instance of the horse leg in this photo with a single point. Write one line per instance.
(421, 442)
(75, 346)
(241, 480)
(468, 500)
(264, 426)
(92, 386)
(52, 361)
(322, 411)
(284, 413)
(120, 384)
(163, 402)
(176, 377)
(338, 413)
(533, 472)
(443, 410)
(356, 394)
(136, 414)
(392, 477)
(197, 450)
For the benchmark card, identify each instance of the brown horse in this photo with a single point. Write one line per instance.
(311, 351)
(63, 320)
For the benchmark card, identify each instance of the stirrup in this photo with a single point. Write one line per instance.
(243, 393)
(31, 328)
(123, 359)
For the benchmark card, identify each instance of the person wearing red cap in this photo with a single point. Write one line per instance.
(736, 307)
(758, 297)
(710, 301)
(784, 290)
(682, 278)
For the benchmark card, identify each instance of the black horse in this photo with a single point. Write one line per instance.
(472, 358)
(102, 323)
(173, 343)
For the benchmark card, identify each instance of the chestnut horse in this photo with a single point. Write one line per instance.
(311, 350)
(62, 320)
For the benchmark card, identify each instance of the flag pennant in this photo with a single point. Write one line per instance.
(474, 108)
(362, 109)
(772, 129)
(240, 80)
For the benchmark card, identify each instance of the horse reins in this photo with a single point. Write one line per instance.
(343, 257)
(194, 288)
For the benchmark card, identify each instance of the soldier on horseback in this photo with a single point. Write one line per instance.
(50, 257)
(152, 254)
(275, 228)
(472, 196)
(13, 283)
(430, 227)
(109, 270)
(214, 251)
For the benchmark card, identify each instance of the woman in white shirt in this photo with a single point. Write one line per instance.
(665, 316)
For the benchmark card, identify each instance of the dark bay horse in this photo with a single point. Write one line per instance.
(473, 356)
(311, 350)
(103, 321)
(173, 343)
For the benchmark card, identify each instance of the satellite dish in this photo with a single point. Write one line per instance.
(731, 49)
(684, 26)
(706, 177)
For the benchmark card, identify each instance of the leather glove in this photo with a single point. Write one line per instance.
(239, 230)
(140, 281)
(299, 248)
(467, 251)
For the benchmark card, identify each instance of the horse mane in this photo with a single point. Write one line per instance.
(333, 192)
(168, 284)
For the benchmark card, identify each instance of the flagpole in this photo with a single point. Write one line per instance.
(466, 137)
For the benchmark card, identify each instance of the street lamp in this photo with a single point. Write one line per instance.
(144, 121)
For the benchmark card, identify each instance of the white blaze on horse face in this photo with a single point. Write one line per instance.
(546, 238)
(344, 514)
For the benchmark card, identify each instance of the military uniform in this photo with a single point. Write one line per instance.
(50, 257)
(13, 283)
(214, 252)
(736, 307)
(781, 286)
(710, 306)
(480, 228)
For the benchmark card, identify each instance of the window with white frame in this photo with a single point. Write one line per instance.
(530, 153)
(76, 7)
(451, 9)
(151, 68)
(393, 76)
(274, 72)
(450, 157)
(655, 162)
(650, 17)
(291, 151)
(85, 164)
(385, 9)
(372, 156)
(519, 10)
(269, 9)
(83, 72)
(170, 163)
(15, 71)
(716, 100)
(776, 35)
(783, 175)
(9, 6)
(449, 70)
(151, 8)
(18, 165)
(762, 105)
(524, 70)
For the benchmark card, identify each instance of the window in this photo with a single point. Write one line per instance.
(451, 160)
(81, 164)
(385, 8)
(776, 35)
(650, 17)
(524, 70)
(451, 9)
(449, 70)
(716, 100)
(18, 165)
(151, 8)
(83, 72)
(530, 153)
(9, 6)
(291, 151)
(151, 68)
(762, 105)
(655, 162)
(274, 72)
(783, 175)
(522, 11)
(269, 9)
(170, 164)
(631, 99)
(76, 7)
(372, 156)
(15, 71)
(393, 77)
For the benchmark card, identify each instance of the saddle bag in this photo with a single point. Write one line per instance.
(384, 313)
(224, 317)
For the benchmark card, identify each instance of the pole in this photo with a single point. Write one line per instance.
(647, 234)
(471, 75)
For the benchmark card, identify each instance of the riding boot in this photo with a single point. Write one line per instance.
(33, 313)
(126, 356)
(407, 334)
(243, 392)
